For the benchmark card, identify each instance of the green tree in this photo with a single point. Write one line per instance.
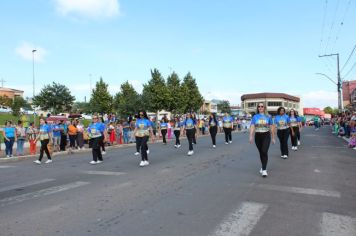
(224, 107)
(127, 101)
(5, 101)
(17, 104)
(190, 94)
(101, 100)
(155, 93)
(56, 98)
(329, 110)
(81, 107)
(175, 100)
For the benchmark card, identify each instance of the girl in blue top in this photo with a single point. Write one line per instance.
(190, 127)
(177, 127)
(228, 124)
(9, 134)
(163, 126)
(295, 127)
(282, 123)
(213, 128)
(45, 136)
(143, 129)
(97, 136)
(262, 127)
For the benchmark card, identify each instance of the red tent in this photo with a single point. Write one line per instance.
(53, 119)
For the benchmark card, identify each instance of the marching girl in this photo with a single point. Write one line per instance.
(213, 128)
(228, 124)
(142, 131)
(262, 127)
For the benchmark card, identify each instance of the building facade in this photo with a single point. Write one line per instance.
(10, 93)
(209, 107)
(347, 89)
(273, 101)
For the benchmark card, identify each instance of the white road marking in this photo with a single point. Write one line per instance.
(330, 146)
(317, 171)
(17, 186)
(242, 221)
(4, 167)
(93, 172)
(337, 225)
(310, 191)
(41, 193)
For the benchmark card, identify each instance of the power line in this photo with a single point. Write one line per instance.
(352, 52)
(332, 25)
(341, 24)
(323, 24)
(353, 66)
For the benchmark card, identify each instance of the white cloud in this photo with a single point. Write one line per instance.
(88, 8)
(24, 50)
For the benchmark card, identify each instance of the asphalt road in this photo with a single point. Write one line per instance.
(214, 192)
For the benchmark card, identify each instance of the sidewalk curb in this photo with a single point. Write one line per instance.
(86, 150)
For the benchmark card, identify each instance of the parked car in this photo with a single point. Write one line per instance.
(5, 109)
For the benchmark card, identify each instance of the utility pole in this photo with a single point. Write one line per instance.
(2, 82)
(338, 79)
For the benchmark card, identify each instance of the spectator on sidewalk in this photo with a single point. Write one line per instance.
(21, 138)
(80, 134)
(31, 136)
(56, 136)
(9, 134)
(63, 129)
(72, 132)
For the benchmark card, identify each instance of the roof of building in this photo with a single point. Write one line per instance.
(2, 89)
(269, 95)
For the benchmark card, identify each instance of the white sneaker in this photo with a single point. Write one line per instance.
(103, 153)
(48, 161)
(190, 153)
(7, 156)
(93, 162)
(37, 162)
(148, 151)
(226, 143)
(178, 146)
(214, 146)
(230, 142)
(295, 148)
(146, 163)
(175, 145)
(264, 173)
(354, 148)
(136, 153)
(261, 171)
(298, 143)
(98, 162)
(282, 156)
(285, 156)
(142, 163)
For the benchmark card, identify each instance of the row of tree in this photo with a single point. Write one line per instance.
(171, 94)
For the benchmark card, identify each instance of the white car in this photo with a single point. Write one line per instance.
(5, 109)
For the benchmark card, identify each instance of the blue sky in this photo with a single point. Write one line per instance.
(231, 47)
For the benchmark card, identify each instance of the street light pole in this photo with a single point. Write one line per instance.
(338, 79)
(33, 84)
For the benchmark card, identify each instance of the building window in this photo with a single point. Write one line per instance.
(274, 104)
(251, 105)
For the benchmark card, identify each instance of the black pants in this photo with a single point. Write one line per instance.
(142, 144)
(44, 148)
(190, 136)
(177, 134)
(283, 135)
(101, 143)
(298, 134)
(164, 133)
(72, 139)
(194, 138)
(294, 138)
(213, 131)
(228, 136)
(63, 143)
(263, 140)
(95, 145)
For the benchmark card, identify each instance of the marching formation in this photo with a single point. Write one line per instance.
(263, 129)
